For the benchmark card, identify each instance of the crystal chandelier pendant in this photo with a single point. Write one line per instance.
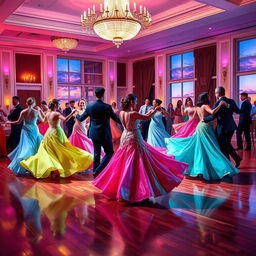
(115, 21)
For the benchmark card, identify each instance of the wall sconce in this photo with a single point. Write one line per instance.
(7, 103)
(28, 78)
(6, 77)
(224, 74)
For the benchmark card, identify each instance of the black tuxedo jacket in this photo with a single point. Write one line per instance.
(70, 123)
(245, 113)
(99, 113)
(14, 116)
(225, 120)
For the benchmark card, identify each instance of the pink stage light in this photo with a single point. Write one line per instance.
(50, 73)
(6, 70)
(224, 62)
(111, 77)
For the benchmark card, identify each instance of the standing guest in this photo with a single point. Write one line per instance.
(15, 128)
(55, 153)
(116, 132)
(43, 126)
(144, 109)
(244, 123)
(156, 131)
(253, 116)
(79, 137)
(30, 138)
(201, 151)
(178, 118)
(70, 123)
(169, 118)
(99, 129)
(3, 151)
(137, 170)
(226, 125)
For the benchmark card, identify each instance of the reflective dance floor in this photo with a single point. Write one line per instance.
(71, 217)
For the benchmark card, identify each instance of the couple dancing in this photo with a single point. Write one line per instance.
(208, 153)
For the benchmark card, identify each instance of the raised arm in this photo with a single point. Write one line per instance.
(211, 117)
(65, 119)
(114, 116)
(215, 110)
(21, 116)
(82, 117)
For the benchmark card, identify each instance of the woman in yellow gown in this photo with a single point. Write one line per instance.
(55, 152)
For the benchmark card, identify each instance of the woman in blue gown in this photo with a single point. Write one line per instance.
(156, 131)
(201, 151)
(30, 138)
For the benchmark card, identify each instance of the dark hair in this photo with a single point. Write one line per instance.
(179, 101)
(125, 102)
(99, 92)
(67, 103)
(30, 101)
(159, 102)
(16, 98)
(187, 100)
(43, 102)
(147, 98)
(53, 103)
(203, 99)
(244, 94)
(72, 101)
(221, 90)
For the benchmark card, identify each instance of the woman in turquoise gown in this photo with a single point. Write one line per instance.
(30, 138)
(201, 151)
(156, 131)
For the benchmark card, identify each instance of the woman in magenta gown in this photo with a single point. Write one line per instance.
(79, 137)
(187, 129)
(138, 171)
(43, 126)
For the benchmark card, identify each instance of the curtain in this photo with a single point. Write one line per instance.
(143, 78)
(205, 69)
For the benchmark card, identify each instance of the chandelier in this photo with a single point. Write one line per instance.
(64, 43)
(116, 21)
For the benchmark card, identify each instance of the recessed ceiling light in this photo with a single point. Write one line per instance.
(210, 28)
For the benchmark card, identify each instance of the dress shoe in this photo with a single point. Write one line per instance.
(238, 149)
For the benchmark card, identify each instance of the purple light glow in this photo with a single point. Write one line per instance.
(111, 77)
(50, 73)
(6, 70)
(224, 62)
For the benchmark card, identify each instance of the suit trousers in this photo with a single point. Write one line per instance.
(244, 128)
(108, 149)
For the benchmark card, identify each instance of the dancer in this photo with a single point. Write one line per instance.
(170, 118)
(116, 132)
(187, 129)
(178, 118)
(55, 152)
(138, 171)
(80, 130)
(15, 128)
(156, 131)
(226, 125)
(3, 151)
(43, 126)
(70, 123)
(99, 131)
(30, 138)
(201, 151)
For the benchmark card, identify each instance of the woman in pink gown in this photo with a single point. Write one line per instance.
(115, 130)
(187, 129)
(138, 171)
(79, 137)
(43, 127)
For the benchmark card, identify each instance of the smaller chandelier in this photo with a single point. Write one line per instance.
(115, 21)
(64, 43)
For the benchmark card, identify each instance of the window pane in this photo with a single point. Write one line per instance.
(188, 90)
(92, 67)
(247, 64)
(175, 74)
(75, 93)
(176, 90)
(93, 79)
(188, 72)
(89, 94)
(75, 78)
(62, 77)
(62, 65)
(175, 61)
(75, 66)
(247, 48)
(188, 59)
(62, 92)
(247, 84)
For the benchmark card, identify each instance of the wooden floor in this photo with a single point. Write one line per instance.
(70, 217)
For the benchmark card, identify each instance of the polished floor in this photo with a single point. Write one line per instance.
(71, 217)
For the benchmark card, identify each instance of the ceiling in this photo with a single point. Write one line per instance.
(32, 23)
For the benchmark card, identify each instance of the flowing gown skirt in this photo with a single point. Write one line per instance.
(202, 153)
(57, 153)
(138, 171)
(30, 140)
(188, 129)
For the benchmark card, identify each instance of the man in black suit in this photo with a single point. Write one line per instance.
(245, 121)
(14, 138)
(99, 129)
(226, 125)
(70, 123)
